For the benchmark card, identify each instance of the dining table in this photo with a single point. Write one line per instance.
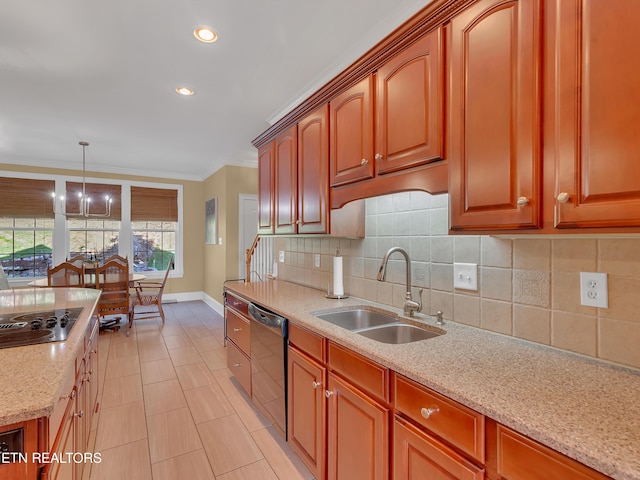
(89, 280)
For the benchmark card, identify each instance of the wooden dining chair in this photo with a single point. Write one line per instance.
(147, 298)
(117, 258)
(112, 278)
(66, 275)
(78, 260)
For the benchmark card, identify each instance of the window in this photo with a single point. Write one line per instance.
(94, 237)
(154, 224)
(26, 226)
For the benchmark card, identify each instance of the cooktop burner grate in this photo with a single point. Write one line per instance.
(37, 327)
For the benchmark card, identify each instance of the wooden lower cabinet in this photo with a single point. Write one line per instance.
(307, 411)
(351, 418)
(516, 457)
(357, 434)
(418, 455)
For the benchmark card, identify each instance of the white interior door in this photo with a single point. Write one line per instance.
(248, 223)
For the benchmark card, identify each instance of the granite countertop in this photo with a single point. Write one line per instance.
(31, 377)
(587, 409)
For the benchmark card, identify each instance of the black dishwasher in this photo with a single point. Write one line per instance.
(269, 334)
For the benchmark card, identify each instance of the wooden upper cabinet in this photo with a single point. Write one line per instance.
(266, 159)
(594, 115)
(409, 106)
(495, 115)
(286, 181)
(351, 134)
(313, 172)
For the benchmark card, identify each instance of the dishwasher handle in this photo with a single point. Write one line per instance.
(265, 317)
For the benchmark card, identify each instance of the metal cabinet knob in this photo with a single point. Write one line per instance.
(316, 384)
(378, 156)
(522, 201)
(328, 393)
(427, 412)
(80, 414)
(563, 197)
(237, 364)
(364, 161)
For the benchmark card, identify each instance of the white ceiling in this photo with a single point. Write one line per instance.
(105, 72)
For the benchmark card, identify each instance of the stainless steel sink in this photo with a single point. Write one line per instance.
(398, 333)
(376, 325)
(358, 318)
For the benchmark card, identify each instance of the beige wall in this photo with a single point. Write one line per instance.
(193, 222)
(221, 261)
(528, 287)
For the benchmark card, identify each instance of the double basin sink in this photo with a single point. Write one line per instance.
(376, 325)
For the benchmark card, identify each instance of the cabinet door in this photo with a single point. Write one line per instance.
(313, 172)
(351, 134)
(266, 160)
(64, 442)
(596, 103)
(417, 455)
(357, 434)
(306, 411)
(495, 110)
(286, 181)
(409, 106)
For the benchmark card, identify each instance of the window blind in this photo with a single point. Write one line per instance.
(154, 204)
(26, 198)
(96, 191)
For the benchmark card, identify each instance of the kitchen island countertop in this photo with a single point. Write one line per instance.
(31, 377)
(587, 409)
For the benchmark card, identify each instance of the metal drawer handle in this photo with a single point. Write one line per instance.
(427, 412)
(328, 393)
(316, 384)
(237, 364)
(237, 329)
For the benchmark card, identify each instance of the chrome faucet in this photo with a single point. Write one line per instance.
(410, 305)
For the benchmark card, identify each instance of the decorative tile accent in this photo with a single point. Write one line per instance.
(531, 287)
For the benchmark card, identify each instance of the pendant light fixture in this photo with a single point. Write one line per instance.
(84, 201)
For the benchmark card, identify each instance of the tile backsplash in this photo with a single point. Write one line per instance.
(527, 287)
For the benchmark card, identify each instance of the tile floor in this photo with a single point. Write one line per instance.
(170, 409)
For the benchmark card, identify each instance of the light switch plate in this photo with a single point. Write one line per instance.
(316, 260)
(594, 291)
(465, 276)
(281, 256)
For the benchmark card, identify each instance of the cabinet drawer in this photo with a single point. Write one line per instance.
(66, 395)
(240, 366)
(238, 331)
(520, 458)
(459, 425)
(419, 455)
(310, 343)
(366, 374)
(237, 303)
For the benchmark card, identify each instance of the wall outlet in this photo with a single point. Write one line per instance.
(465, 276)
(594, 290)
(316, 260)
(219, 240)
(281, 256)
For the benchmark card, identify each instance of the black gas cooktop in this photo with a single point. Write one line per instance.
(19, 329)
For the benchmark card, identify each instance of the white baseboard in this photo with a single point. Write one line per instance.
(192, 296)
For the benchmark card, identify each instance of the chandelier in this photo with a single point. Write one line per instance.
(84, 201)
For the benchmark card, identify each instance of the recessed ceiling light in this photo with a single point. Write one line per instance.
(205, 34)
(184, 91)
